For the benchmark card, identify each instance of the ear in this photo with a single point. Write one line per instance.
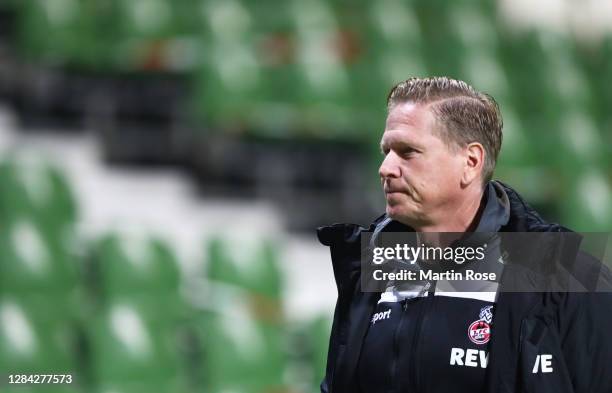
(474, 162)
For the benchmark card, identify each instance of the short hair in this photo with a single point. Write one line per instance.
(466, 115)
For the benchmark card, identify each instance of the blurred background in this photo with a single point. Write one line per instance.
(165, 164)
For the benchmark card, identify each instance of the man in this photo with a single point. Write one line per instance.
(440, 145)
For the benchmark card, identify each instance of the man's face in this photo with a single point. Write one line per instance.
(420, 174)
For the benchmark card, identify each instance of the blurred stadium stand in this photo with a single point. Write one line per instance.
(273, 110)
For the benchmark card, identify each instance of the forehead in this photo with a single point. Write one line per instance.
(409, 114)
(409, 121)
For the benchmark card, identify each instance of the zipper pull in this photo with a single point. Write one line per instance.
(404, 304)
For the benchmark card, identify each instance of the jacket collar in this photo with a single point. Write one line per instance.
(495, 215)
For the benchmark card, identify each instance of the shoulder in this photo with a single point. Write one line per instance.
(345, 233)
(523, 217)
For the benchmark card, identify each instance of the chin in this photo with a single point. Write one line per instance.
(401, 214)
(396, 212)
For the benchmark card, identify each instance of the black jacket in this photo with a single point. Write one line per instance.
(575, 328)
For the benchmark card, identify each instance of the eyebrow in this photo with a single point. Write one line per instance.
(398, 144)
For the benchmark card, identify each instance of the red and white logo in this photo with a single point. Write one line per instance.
(479, 332)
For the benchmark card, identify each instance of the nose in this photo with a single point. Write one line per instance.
(390, 167)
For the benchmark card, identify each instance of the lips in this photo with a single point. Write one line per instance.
(391, 190)
(388, 188)
(393, 194)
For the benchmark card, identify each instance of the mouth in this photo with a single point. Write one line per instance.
(392, 194)
(392, 191)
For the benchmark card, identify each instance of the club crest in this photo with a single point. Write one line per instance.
(479, 331)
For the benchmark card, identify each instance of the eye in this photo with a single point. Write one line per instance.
(384, 150)
(407, 153)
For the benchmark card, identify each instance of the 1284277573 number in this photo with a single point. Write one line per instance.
(53, 379)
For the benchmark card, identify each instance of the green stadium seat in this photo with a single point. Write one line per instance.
(517, 149)
(473, 39)
(38, 212)
(145, 18)
(567, 76)
(230, 78)
(484, 71)
(601, 78)
(136, 327)
(149, 36)
(267, 280)
(319, 330)
(220, 267)
(323, 76)
(37, 191)
(393, 53)
(56, 32)
(580, 140)
(440, 49)
(34, 261)
(522, 57)
(587, 204)
(14, 202)
(58, 207)
(134, 341)
(134, 265)
(37, 335)
(240, 352)
(474, 23)
(253, 268)
(242, 332)
(476, 40)
(274, 112)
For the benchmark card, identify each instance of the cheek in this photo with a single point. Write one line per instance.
(451, 160)
(443, 173)
(419, 178)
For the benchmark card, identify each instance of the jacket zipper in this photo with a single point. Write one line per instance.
(398, 329)
(416, 339)
(396, 345)
(414, 364)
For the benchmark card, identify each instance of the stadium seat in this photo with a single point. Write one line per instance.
(255, 270)
(15, 203)
(242, 333)
(37, 191)
(37, 334)
(136, 322)
(567, 76)
(135, 265)
(56, 32)
(319, 330)
(517, 149)
(393, 52)
(230, 77)
(134, 342)
(55, 204)
(219, 265)
(239, 351)
(588, 203)
(33, 261)
(323, 79)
